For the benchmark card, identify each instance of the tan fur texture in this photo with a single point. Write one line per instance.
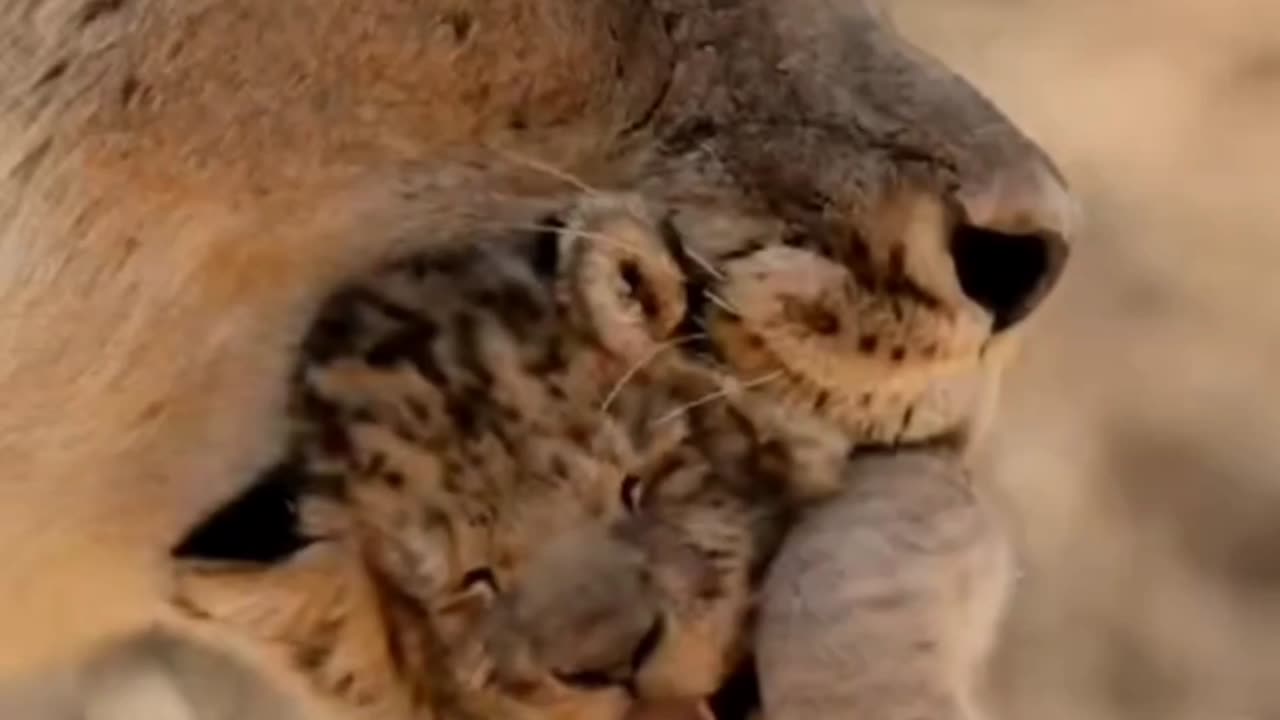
(182, 184)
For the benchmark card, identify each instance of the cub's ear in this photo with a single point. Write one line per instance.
(249, 576)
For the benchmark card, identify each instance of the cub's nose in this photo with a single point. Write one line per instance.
(1010, 244)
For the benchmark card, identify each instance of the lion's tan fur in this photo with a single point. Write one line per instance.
(214, 200)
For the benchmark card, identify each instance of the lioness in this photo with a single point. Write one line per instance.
(185, 183)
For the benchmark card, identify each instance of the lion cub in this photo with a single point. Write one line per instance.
(542, 476)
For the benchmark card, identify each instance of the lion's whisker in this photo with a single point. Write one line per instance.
(721, 303)
(547, 169)
(584, 234)
(705, 264)
(717, 395)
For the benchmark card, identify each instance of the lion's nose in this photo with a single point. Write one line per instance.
(1010, 244)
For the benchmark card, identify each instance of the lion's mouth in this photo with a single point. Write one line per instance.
(949, 442)
(694, 329)
(693, 332)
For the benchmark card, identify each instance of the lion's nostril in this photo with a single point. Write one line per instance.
(1006, 274)
(1010, 246)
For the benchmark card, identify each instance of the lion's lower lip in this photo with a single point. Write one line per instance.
(945, 443)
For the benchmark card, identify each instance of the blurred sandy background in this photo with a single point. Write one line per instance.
(1141, 435)
(1140, 441)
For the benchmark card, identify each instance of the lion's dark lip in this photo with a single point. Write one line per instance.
(951, 442)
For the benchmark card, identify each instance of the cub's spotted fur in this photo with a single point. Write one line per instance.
(553, 467)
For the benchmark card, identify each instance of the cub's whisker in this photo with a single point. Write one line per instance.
(649, 357)
(717, 395)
